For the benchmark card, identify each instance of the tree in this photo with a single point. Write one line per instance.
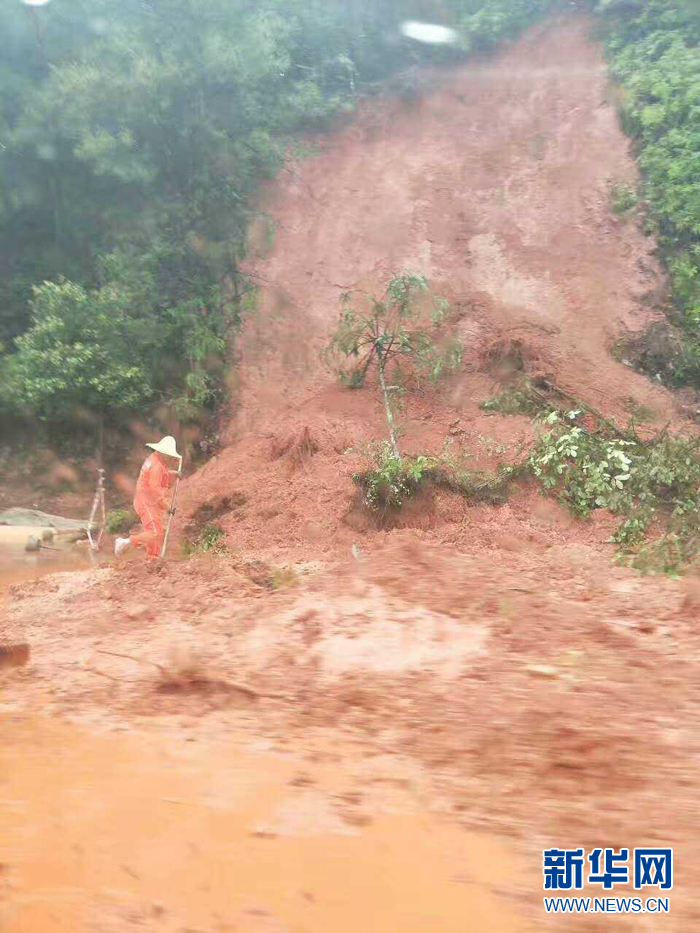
(78, 354)
(388, 332)
(145, 128)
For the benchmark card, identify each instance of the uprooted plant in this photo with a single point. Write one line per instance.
(589, 462)
(646, 482)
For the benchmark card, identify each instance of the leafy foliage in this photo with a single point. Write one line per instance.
(393, 479)
(119, 521)
(141, 131)
(645, 483)
(654, 52)
(117, 346)
(393, 328)
(623, 197)
(484, 24)
(209, 540)
(78, 352)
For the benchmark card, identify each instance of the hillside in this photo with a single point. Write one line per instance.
(494, 186)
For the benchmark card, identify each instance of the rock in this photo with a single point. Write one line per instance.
(138, 611)
(542, 670)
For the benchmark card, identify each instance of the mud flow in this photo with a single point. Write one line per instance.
(104, 833)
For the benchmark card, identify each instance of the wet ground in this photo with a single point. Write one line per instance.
(106, 832)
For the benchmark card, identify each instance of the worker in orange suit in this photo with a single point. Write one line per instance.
(151, 500)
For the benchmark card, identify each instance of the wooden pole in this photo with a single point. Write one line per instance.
(171, 512)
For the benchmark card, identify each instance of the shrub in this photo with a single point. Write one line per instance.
(623, 197)
(641, 481)
(393, 479)
(79, 352)
(119, 521)
(389, 330)
(208, 541)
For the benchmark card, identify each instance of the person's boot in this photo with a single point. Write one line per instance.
(121, 544)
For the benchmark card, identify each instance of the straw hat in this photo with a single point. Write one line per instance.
(166, 446)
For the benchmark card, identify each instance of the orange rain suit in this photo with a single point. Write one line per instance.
(151, 502)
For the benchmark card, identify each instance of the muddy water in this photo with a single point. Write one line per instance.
(101, 832)
(16, 565)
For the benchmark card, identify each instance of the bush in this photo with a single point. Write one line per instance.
(120, 521)
(640, 481)
(208, 541)
(653, 48)
(80, 352)
(623, 197)
(393, 479)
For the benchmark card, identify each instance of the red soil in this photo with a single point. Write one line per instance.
(548, 692)
(495, 188)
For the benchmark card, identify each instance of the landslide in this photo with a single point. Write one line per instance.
(546, 691)
(496, 187)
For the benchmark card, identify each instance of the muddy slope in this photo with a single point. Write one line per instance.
(495, 187)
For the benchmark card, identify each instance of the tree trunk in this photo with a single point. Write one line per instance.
(387, 404)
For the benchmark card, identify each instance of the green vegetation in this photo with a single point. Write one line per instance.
(120, 521)
(585, 460)
(623, 197)
(644, 482)
(404, 325)
(134, 136)
(208, 541)
(516, 399)
(455, 472)
(589, 462)
(394, 328)
(393, 479)
(654, 49)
